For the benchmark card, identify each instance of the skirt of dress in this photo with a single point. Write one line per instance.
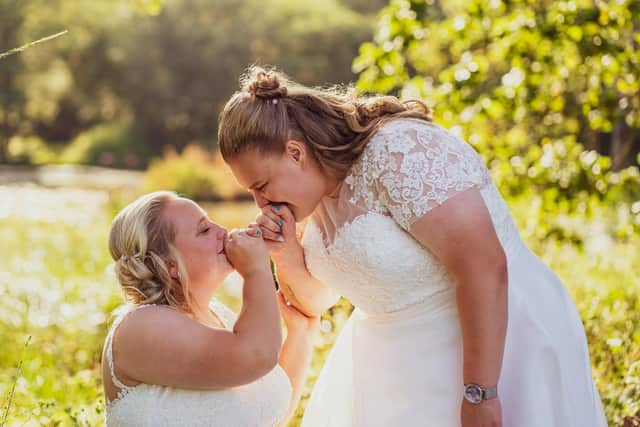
(406, 369)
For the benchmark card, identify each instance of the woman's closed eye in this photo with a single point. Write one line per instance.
(205, 227)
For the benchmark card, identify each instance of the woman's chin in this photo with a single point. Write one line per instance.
(299, 216)
(225, 261)
(223, 265)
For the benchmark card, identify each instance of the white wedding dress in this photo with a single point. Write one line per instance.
(259, 404)
(398, 360)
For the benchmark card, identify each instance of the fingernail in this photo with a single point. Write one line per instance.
(258, 232)
(281, 239)
(276, 207)
(280, 223)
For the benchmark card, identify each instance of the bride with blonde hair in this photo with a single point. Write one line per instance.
(175, 356)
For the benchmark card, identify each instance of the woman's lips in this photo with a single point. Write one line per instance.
(221, 245)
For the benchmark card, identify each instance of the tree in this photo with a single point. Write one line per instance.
(151, 73)
(513, 73)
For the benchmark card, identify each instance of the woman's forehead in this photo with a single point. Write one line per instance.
(184, 212)
(251, 167)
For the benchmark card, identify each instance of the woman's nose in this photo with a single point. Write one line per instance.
(221, 232)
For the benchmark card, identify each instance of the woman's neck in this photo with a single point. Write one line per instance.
(333, 187)
(201, 311)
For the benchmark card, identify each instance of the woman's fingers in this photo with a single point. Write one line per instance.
(276, 222)
(267, 211)
(284, 218)
(265, 221)
(267, 234)
(254, 232)
(283, 212)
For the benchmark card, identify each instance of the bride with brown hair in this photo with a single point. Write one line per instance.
(456, 321)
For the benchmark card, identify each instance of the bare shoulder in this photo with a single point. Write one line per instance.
(147, 324)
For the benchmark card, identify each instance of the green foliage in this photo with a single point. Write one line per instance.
(601, 274)
(163, 66)
(505, 69)
(54, 294)
(111, 145)
(31, 150)
(150, 7)
(547, 92)
(57, 287)
(195, 173)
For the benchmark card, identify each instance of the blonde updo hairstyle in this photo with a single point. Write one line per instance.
(334, 123)
(140, 243)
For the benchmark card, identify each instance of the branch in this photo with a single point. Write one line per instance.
(21, 48)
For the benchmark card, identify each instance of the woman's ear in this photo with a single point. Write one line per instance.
(172, 268)
(295, 150)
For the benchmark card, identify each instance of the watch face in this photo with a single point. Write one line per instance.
(473, 393)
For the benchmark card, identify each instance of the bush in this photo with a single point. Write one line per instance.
(111, 145)
(195, 173)
(30, 150)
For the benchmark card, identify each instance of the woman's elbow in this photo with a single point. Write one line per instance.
(251, 362)
(261, 358)
(267, 360)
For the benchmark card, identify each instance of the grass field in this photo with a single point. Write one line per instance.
(58, 293)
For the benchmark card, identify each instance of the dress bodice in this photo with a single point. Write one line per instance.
(359, 241)
(261, 403)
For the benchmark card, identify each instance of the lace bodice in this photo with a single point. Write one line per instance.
(262, 403)
(358, 242)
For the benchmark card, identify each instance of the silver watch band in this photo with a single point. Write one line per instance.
(489, 393)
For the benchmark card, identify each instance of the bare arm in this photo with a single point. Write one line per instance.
(162, 346)
(461, 235)
(300, 288)
(296, 353)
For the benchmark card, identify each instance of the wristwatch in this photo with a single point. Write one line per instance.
(473, 393)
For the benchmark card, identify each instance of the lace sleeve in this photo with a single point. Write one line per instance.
(411, 167)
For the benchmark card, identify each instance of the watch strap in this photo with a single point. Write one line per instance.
(489, 393)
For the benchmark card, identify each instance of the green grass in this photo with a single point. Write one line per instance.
(57, 289)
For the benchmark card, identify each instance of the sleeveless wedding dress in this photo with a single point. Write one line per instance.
(262, 403)
(398, 360)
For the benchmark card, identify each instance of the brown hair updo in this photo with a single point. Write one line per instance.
(334, 123)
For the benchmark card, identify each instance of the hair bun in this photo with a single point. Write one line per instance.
(265, 84)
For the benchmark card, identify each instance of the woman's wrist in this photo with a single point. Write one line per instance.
(258, 276)
(299, 339)
(302, 332)
(290, 259)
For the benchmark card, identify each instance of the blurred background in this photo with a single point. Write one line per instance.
(126, 101)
